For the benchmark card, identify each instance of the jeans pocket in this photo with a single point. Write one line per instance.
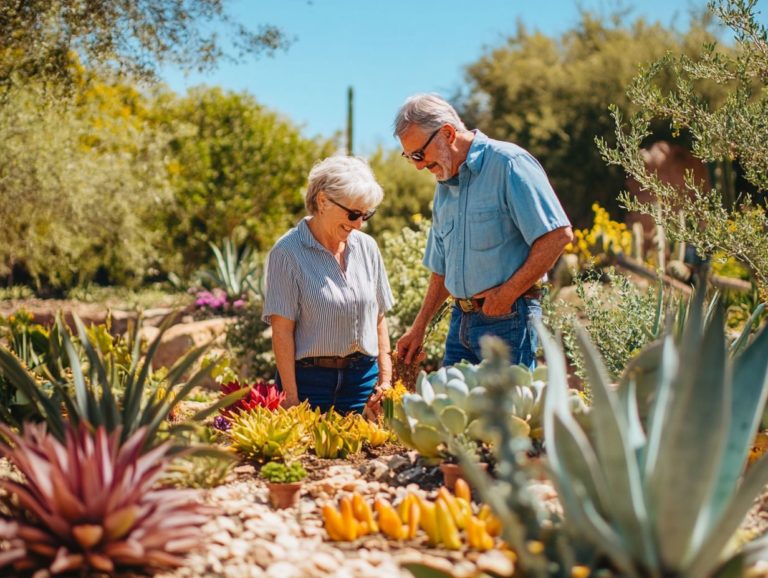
(492, 318)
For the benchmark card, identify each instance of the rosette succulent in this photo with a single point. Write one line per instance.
(441, 408)
(88, 505)
(450, 405)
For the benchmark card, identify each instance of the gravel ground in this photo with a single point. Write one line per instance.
(249, 539)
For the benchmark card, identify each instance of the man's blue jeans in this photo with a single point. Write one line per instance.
(345, 389)
(514, 328)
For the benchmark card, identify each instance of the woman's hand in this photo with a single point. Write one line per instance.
(373, 407)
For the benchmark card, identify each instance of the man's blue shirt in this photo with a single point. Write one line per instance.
(485, 219)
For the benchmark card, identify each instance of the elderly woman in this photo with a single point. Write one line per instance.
(327, 293)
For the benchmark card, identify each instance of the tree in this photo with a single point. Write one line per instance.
(551, 96)
(237, 169)
(78, 185)
(40, 39)
(734, 131)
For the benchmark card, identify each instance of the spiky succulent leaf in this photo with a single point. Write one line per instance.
(685, 472)
(92, 505)
(750, 388)
(610, 428)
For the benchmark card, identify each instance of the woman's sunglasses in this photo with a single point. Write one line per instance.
(353, 215)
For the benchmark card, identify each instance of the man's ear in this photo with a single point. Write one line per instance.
(451, 135)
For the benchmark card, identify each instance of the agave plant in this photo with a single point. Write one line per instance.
(666, 499)
(234, 273)
(101, 392)
(88, 505)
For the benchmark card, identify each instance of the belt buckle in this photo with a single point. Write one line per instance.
(466, 305)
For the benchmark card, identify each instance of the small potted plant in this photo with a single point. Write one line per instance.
(284, 481)
(450, 467)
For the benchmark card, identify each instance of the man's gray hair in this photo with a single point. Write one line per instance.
(347, 180)
(427, 111)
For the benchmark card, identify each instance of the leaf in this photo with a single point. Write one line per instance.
(686, 470)
(610, 428)
(750, 391)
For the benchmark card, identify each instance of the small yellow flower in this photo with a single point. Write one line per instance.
(579, 572)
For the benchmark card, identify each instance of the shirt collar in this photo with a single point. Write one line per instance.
(474, 160)
(308, 239)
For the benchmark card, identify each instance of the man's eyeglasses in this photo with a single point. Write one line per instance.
(418, 155)
(353, 215)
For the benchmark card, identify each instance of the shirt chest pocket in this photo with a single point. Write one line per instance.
(445, 231)
(486, 229)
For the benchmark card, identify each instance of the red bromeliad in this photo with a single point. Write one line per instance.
(261, 394)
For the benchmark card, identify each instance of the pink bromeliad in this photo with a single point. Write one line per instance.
(261, 394)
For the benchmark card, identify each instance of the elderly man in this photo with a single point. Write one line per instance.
(497, 228)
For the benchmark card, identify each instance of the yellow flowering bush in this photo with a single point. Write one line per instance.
(606, 238)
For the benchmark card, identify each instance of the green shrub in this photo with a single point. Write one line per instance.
(619, 316)
(403, 253)
(249, 340)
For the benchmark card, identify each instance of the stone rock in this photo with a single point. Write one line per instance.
(181, 338)
(496, 562)
(283, 570)
(377, 469)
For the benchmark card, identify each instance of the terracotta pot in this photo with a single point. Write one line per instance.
(284, 495)
(452, 472)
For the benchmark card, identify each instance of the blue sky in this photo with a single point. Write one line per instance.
(387, 50)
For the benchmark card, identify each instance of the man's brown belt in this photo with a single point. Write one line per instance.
(475, 305)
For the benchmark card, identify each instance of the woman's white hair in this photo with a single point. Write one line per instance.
(347, 180)
(427, 111)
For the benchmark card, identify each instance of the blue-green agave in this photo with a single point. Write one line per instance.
(665, 498)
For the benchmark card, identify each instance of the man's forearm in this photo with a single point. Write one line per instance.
(542, 257)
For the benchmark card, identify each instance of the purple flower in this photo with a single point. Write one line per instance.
(239, 304)
(216, 300)
(221, 423)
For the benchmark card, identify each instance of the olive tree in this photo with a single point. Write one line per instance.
(733, 131)
(45, 39)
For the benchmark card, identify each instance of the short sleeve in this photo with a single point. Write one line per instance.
(534, 206)
(434, 254)
(281, 288)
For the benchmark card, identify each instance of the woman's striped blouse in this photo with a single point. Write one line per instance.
(335, 312)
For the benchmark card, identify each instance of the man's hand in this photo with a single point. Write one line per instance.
(409, 345)
(497, 302)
